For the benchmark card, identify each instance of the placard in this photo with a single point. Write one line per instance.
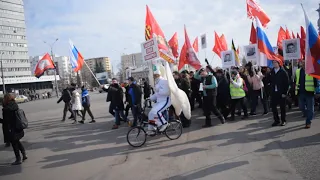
(228, 59)
(252, 53)
(291, 49)
(149, 50)
(203, 41)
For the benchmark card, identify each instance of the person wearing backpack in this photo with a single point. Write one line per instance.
(16, 132)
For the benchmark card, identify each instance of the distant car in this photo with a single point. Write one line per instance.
(106, 86)
(21, 99)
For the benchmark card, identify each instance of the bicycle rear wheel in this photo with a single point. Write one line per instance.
(174, 130)
(136, 137)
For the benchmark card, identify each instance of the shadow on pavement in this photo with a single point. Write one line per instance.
(213, 169)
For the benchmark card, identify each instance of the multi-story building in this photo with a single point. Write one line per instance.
(131, 61)
(14, 50)
(102, 63)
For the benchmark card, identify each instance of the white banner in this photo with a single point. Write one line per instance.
(149, 50)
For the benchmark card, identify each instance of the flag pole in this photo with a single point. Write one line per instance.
(92, 73)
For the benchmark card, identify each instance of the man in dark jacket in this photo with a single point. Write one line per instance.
(135, 99)
(279, 89)
(223, 97)
(209, 96)
(127, 101)
(195, 94)
(66, 98)
(146, 90)
(116, 107)
(85, 99)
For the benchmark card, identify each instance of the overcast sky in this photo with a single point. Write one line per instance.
(112, 27)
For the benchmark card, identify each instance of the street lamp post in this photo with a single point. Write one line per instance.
(55, 71)
(3, 84)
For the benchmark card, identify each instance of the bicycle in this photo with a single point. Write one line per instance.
(174, 125)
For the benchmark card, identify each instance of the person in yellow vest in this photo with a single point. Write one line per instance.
(305, 89)
(237, 94)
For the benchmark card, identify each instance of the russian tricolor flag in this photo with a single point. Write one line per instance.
(312, 54)
(267, 54)
(76, 58)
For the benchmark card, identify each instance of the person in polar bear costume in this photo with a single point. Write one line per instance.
(166, 94)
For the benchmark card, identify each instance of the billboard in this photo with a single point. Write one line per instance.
(102, 77)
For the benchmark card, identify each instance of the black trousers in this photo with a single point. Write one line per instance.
(111, 110)
(67, 107)
(17, 148)
(126, 110)
(195, 96)
(209, 105)
(6, 133)
(222, 105)
(233, 106)
(85, 109)
(277, 99)
(136, 110)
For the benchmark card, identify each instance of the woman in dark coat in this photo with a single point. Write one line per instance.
(9, 117)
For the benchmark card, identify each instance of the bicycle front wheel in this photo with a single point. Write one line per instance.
(174, 130)
(136, 137)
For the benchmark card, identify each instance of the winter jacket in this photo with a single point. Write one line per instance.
(146, 89)
(76, 101)
(9, 119)
(279, 81)
(66, 96)
(256, 81)
(85, 98)
(115, 96)
(135, 94)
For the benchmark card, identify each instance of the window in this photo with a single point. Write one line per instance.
(9, 36)
(11, 12)
(14, 5)
(15, 52)
(11, 28)
(11, 20)
(13, 44)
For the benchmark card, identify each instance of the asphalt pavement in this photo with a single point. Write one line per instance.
(241, 150)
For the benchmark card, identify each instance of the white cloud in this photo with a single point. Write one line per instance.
(104, 28)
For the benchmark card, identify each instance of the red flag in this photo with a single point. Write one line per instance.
(298, 36)
(152, 29)
(43, 64)
(253, 34)
(183, 57)
(288, 34)
(191, 56)
(224, 45)
(293, 36)
(254, 10)
(281, 36)
(217, 45)
(303, 42)
(195, 45)
(173, 43)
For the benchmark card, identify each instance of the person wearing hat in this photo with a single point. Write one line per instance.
(237, 94)
(209, 96)
(135, 94)
(163, 101)
(279, 89)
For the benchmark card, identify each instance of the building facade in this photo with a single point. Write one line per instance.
(14, 50)
(131, 61)
(13, 41)
(96, 65)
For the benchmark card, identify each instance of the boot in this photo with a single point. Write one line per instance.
(17, 162)
(24, 156)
